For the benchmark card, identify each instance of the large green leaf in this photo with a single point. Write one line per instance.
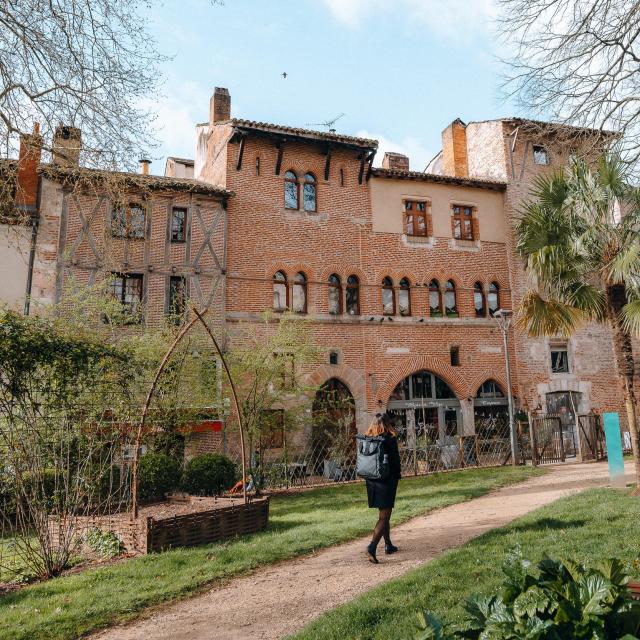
(532, 601)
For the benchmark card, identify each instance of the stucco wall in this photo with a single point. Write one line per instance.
(14, 263)
(387, 198)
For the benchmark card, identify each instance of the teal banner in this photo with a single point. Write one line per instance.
(614, 449)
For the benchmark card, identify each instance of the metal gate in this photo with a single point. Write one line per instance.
(591, 437)
(547, 440)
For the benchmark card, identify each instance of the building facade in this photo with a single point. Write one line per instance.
(397, 271)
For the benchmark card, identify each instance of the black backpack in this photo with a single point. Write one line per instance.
(372, 462)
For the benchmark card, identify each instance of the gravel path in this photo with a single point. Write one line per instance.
(278, 600)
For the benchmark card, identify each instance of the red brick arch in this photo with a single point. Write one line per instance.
(290, 270)
(352, 379)
(479, 378)
(411, 365)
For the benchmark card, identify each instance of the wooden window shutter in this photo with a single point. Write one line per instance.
(475, 225)
(429, 220)
(453, 227)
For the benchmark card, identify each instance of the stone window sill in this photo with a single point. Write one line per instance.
(296, 214)
(465, 245)
(418, 241)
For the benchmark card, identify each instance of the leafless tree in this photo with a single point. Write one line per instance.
(576, 62)
(85, 63)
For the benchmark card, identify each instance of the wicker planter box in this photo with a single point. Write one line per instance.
(203, 527)
(196, 521)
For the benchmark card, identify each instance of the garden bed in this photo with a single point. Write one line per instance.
(180, 522)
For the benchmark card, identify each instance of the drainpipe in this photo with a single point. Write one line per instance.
(35, 222)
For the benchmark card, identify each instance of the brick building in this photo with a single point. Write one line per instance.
(398, 271)
(159, 238)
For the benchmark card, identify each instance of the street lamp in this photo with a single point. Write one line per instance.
(503, 320)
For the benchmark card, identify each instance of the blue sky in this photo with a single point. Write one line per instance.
(400, 70)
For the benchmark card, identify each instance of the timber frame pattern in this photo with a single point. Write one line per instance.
(86, 244)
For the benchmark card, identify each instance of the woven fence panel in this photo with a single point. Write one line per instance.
(203, 527)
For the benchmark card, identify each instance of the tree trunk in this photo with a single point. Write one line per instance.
(623, 351)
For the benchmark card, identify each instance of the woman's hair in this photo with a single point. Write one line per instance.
(381, 425)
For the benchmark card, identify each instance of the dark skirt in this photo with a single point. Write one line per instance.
(382, 493)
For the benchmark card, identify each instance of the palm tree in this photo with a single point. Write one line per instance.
(579, 238)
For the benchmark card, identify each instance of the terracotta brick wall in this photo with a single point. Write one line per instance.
(374, 356)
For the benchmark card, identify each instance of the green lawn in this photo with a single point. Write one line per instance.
(596, 524)
(69, 606)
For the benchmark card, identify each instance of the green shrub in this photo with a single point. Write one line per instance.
(104, 543)
(554, 600)
(158, 474)
(209, 474)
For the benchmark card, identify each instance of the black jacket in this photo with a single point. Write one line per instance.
(391, 446)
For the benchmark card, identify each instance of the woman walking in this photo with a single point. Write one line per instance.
(382, 493)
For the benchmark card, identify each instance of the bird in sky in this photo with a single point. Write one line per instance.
(284, 75)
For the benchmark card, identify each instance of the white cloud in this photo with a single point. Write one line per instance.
(444, 18)
(418, 154)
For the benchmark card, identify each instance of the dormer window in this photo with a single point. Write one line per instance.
(540, 154)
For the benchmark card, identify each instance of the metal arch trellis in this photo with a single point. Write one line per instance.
(198, 317)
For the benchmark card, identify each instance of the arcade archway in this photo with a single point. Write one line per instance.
(334, 427)
(425, 409)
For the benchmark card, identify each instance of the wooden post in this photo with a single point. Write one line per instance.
(532, 438)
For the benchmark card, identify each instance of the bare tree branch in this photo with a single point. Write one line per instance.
(91, 64)
(576, 62)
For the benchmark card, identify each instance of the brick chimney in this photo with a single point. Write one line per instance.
(395, 161)
(454, 150)
(66, 146)
(219, 105)
(27, 174)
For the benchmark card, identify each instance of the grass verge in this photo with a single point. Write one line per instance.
(69, 606)
(595, 524)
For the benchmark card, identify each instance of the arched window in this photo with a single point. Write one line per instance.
(309, 199)
(290, 190)
(335, 294)
(388, 297)
(490, 389)
(435, 298)
(450, 299)
(493, 297)
(353, 296)
(478, 300)
(404, 297)
(280, 292)
(300, 293)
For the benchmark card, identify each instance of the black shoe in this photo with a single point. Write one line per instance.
(371, 555)
(390, 548)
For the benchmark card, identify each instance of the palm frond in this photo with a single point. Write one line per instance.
(587, 298)
(540, 317)
(631, 318)
(625, 264)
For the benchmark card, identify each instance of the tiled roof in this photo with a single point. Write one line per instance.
(267, 127)
(549, 126)
(180, 160)
(154, 183)
(432, 177)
